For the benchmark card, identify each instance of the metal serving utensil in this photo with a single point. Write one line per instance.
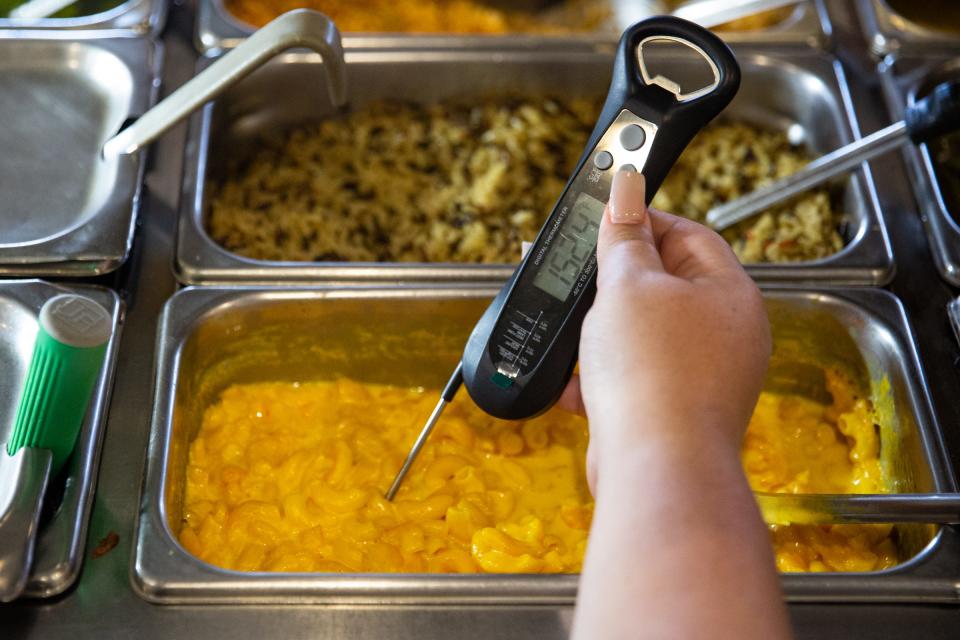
(37, 9)
(798, 379)
(933, 116)
(706, 13)
(711, 13)
(809, 381)
(23, 482)
(927, 508)
(299, 28)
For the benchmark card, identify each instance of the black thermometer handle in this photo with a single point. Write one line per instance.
(522, 352)
(679, 119)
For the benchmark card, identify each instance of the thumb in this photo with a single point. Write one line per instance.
(626, 242)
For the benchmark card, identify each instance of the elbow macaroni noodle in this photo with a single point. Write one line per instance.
(290, 477)
(794, 445)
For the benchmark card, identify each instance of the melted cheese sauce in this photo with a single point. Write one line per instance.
(794, 445)
(290, 477)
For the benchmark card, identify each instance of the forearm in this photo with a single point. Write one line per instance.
(677, 543)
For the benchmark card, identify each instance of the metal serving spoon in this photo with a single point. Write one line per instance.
(706, 13)
(38, 9)
(933, 116)
(928, 508)
(299, 28)
(24, 477)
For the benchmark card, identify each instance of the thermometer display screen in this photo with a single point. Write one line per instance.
(571, 248)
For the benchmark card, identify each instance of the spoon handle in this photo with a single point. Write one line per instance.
(299, 28)
(27, 473)
(710, 13)
(931, 508)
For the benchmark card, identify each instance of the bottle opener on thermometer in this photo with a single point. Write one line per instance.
(522, 352)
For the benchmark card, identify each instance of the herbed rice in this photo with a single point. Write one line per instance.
(467, 183)
(726, 161)
(402, 182)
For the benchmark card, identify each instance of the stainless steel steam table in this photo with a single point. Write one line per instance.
(103, 604)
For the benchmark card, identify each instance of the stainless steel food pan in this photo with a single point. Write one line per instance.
(802, 94)
(808, 24)
(888, 32)
(210, 337)
(135, 16)
(63, 532)
(903, 81)
(64, 210)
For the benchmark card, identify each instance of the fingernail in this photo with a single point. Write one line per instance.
(627, 193)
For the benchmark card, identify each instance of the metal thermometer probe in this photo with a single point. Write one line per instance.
(523, 350)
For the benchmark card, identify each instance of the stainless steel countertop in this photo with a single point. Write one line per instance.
(103, 605)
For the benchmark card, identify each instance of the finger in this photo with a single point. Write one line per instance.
(690, 250)
(592, 468)
(626, 242)
(571, 400)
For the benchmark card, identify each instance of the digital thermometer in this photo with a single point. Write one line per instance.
(522, 352)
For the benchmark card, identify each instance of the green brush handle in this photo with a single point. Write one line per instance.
(66, 362)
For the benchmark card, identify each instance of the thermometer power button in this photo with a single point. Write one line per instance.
(603, 160)
(632, 137)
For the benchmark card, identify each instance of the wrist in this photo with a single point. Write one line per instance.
(687, 440)
(634, 470)
(635, 421)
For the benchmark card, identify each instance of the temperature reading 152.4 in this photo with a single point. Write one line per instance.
(573, 245)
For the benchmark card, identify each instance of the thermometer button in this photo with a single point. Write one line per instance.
(632, 137)
(603, 160)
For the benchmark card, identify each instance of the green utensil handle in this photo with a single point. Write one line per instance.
(67, 357)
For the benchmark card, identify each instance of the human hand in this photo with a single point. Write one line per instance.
(676, 346)
(673, 354)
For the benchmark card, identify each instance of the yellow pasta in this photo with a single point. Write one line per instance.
(794, 445)
(286, 477)
(290, 477)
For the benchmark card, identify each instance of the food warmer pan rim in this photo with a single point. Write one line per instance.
(138, 17)
(217, 29)
(163, 572)
(893, 34)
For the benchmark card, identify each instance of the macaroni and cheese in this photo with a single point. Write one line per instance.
(290, 477)
(794, 445)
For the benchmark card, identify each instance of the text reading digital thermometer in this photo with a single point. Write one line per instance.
(522, 352)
